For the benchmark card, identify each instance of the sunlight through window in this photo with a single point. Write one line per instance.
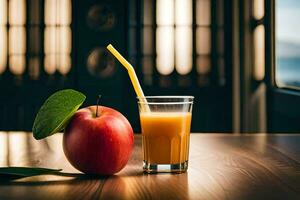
(174, 20)
(259, 52)
(58, 36)
(17, 36)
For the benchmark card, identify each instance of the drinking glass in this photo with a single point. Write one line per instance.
(165, 124)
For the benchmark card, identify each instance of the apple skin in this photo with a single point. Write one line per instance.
(98, 145)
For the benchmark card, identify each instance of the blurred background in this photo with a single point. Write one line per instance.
(239, 58)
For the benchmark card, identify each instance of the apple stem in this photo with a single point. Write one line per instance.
(98, 99)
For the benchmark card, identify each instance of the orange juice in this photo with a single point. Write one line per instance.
(165, 136)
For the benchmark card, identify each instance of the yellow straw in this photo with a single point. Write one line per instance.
(131, 72)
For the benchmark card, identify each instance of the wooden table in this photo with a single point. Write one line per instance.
(222, 166)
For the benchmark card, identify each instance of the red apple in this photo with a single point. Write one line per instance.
(98, 144)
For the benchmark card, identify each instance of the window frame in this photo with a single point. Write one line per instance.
(283, 101)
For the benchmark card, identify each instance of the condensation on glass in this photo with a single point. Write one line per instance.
(58, 36)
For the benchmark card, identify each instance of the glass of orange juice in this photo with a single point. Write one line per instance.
(165, 124)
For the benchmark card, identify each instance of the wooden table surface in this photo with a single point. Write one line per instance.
(221, 166)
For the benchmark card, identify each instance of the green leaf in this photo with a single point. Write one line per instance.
(25, 171)
(56, 112)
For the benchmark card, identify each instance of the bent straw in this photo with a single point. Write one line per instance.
(131, 73)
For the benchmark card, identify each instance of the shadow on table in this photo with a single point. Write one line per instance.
(70, 178)
(35, 180)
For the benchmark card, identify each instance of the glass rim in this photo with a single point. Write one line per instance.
(167, 97)
(143, 100)
(165, 103)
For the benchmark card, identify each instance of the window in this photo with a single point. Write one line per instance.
(3, 35)
(282, 65)
(178, 47)
(258, 40)
(57, 36)
(35, 57)
(180, 41)
(21, 33)
(287, 73)
(17, 36)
